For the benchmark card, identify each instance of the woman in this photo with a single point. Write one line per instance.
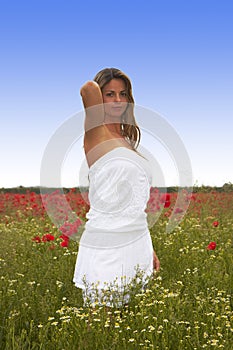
(116, 242)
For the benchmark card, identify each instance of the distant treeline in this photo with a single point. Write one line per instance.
(227, 187)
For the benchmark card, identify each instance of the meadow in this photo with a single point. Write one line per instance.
(188, 305)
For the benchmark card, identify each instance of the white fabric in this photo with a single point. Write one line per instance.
(116, 238)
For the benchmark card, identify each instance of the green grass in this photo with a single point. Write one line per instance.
(188, 306)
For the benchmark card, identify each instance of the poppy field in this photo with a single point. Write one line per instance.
(187, 305)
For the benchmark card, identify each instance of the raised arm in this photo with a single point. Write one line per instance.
(93, 104)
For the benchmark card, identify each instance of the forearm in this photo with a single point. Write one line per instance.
(156, 262)
(93, 104)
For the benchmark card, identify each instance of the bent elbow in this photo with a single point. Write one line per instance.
(89, 87)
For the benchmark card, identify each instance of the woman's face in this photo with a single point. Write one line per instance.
(115, 98)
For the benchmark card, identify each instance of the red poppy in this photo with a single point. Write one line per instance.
(167, 204)
(215, 223)
(47, 238)
(64, 237)
(178, 210)
(165, 199)
(36, 239)
(69, 228)
(64, 243)
(211, 246)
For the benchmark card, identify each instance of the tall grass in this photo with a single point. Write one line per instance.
(187, 306)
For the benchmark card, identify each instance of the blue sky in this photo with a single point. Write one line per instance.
(178, 55)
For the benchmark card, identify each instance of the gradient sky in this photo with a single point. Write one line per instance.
(178, 55)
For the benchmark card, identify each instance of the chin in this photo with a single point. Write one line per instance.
(118, 113)
(114, 116)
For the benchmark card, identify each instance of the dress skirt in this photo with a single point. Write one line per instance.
(108, 275)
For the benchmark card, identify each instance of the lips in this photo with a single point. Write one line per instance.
(117, 109)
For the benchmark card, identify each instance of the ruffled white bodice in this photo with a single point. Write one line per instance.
(119, 190)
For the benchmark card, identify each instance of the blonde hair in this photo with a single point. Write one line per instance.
(129, 127)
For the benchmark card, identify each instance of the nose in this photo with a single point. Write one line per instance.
(117, 98)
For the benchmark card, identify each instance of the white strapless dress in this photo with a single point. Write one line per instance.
(116, 242)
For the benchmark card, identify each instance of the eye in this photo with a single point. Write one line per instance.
(109, 94)
(124, 94)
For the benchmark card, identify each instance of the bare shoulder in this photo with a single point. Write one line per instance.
(95, 141)
(99, 141)
(93, 137)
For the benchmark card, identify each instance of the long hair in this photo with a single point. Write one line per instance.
(128, 125)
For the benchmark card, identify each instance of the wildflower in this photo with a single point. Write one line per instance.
(211, 246)
(36, 239)
(67, 318)
(131, 340)
(215, 223)
(69, 229)
(31, 283)
(59, 284)
(64, 243)
(180, 282)
(214, 342)
(160, 329)
(178, 210)
(166, 200)
(47, 238)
